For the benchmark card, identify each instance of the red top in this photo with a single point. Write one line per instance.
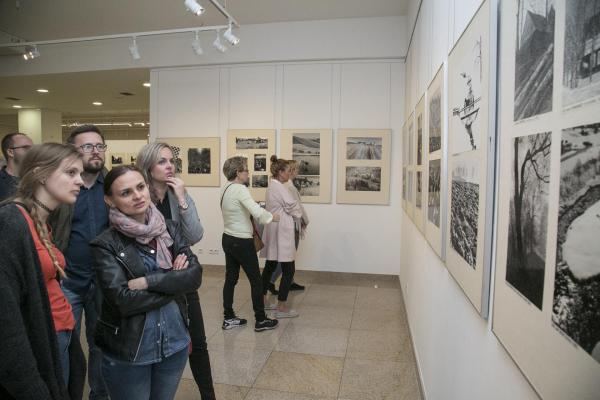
(62, 313)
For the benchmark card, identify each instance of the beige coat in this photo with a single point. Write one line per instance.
(279, 236)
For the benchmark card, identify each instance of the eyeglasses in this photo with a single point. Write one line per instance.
(88, 148)
(26, 147)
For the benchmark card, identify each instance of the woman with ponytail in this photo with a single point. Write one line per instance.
(35, 317)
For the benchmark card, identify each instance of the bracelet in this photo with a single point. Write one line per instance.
(184, 206)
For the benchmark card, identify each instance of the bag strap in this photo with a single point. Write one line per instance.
(224, 194)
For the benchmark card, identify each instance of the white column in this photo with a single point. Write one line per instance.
(41, 125)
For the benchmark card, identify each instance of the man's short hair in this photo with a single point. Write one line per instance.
(8, 142)
(83, 129)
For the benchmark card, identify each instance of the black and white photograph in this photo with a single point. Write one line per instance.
(534, 58)
(403, 183)
(116, 159)
(363, 179)
(409, 186)
(260, 162)
(433, 199)
(249, 143)
(199, 161)
(307, 185)
(363, 148)
(177, 159)
(419, 139)
(411, 141)
(466, 100)
(528, 216)
(132, 159)
(306, 143)
(419, 189)
(576, 301)
(435, 121)
(464, 212)
(308, 164)
(581, 63)
(260, 181)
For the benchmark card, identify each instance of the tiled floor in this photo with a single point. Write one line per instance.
(350, 341)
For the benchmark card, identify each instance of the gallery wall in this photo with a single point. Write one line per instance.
(458, 355)
(207, 101)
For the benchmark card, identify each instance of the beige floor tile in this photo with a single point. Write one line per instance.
(379, 380)
(238, 364)
(312, 340)
(188, 390)
(265, 340)
(317, 287)
(378, 320)
(261, 394)
(382, 299)
(301, 373)
(325, 317)
(330, 299)
(379, 345)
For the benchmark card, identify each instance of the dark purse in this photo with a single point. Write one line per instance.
(258, 243)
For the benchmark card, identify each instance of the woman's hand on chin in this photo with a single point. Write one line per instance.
(178, 187)
(180, 262)
(138, 284)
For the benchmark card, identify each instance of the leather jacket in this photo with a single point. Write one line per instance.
(116, 261)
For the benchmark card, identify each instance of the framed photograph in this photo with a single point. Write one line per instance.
(197, 159)
(363, 166)
(547, 278)
(257, 145)
(420, 176)
(435, 169)
(410, 165)
(312, 149)
(471, 137)
(122, 152)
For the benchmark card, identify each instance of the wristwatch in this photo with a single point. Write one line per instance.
(184, 206)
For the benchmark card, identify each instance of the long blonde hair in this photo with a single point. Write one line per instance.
(39, 163)
(146, 160)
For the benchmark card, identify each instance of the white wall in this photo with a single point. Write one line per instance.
(458, 355)
(207, 101)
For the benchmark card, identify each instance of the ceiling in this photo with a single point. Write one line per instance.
(37, 20)
(73, 93)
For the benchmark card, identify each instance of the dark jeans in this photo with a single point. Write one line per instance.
(156, 381)
(241, 252)
(90, 303)
(199, 359)
(277, 272)
(288, 269)
(64, 340)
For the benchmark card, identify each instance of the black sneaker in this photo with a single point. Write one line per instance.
(295, 286)
(265, 325)
(234, 322)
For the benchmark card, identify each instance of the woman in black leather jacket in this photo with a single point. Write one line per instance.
(144, 268)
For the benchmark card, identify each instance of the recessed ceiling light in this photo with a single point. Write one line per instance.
(97, 103)
(17, 106)
(42, 90)
(146, 84)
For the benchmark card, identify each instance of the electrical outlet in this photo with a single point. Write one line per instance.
(200, 251)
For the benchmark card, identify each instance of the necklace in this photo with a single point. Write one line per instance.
(42, 205)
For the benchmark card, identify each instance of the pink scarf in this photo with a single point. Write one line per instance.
(155, 228)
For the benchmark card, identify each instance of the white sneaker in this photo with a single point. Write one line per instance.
(271, 306)
(286, 314)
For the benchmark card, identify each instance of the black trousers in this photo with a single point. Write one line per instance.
(199, 359)
(241, 252)
(288, 269)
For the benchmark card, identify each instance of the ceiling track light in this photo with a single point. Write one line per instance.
(31, 52)
(218, 44)
(230, 37)
(196, 45)
(194, 7)
(134, 50)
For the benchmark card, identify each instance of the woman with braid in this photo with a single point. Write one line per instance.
(35, 317)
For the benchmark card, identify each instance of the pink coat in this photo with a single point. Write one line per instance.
(279, 236)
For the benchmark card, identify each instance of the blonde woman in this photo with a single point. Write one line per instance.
(167, 191)
(36, 318)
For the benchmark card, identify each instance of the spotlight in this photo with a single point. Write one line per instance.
(97, 103)
(17, 106)
(231, 38)
(146, 84)
(42, 90)
(194, 7)
(134, 51)
(218, 45)
(196, 45)
(31, 52)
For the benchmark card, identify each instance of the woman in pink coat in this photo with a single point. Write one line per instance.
(279, 237)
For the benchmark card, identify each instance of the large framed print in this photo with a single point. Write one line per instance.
(471, 137)
(420, 156)
(547, 279)
(435, 169)
(363, 166)
(197, 160)
(257, 145)
(312, 149)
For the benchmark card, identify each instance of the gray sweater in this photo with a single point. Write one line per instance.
(189, 220)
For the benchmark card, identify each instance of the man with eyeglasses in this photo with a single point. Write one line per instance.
(14, 147)
(73, 227)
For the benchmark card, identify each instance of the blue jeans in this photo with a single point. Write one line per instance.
(156, 381)
(64, 340)
(90, 304)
